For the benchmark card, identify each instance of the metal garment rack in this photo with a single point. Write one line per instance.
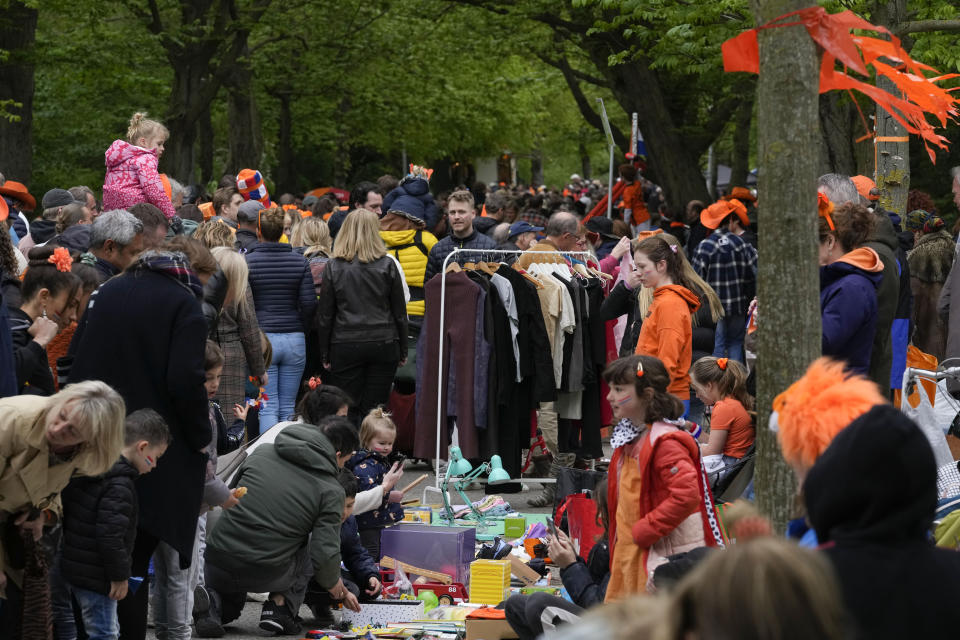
(441, 415)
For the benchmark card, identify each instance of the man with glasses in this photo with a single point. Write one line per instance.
(460, 215)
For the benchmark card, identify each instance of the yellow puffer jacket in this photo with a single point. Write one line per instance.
(411, 247)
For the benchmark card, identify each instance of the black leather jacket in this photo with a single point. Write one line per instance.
(361, 302)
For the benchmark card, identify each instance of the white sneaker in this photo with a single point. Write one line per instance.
(257, 597)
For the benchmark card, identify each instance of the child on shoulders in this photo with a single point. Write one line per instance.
(99, 527)
(132, 175)
(369, 465)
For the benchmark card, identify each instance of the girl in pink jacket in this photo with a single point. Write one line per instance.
(132, 175)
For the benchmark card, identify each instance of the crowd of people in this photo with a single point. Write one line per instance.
(202, 382)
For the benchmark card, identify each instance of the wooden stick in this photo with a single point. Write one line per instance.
(415, 483)
(390, 563)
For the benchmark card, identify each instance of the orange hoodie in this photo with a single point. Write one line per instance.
(667, 334)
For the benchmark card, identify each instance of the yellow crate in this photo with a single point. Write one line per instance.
(422, 515)
(489, 581)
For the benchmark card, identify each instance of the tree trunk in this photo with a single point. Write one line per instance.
(179, 157)
(740, 167)
(788, 132)
(837, 128)
(536, 167)
(18, 28)
(285, 174)
(342, 165)
(673, 159)
(585, 168)
(244, 140)
(892, 144)
(205, 127)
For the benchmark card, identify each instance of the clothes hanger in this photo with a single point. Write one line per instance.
(453, 267)
(528, 276)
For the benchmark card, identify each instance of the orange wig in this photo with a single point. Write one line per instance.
(818, 406)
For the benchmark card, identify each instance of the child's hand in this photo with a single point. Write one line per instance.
(375, 587)
(240, 411)
(390, 478)
(230, 502)
(118, 590)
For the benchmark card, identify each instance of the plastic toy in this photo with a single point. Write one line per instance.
(446, 590)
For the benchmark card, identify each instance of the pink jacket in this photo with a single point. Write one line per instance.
(132, 178)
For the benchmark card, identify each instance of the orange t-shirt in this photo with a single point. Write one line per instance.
(730, 416)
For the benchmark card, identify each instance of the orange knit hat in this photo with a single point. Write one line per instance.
(818, 406)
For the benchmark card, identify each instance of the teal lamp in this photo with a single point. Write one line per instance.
(462, 469)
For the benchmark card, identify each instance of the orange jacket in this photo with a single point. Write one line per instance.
(667, 334)
(633, 200)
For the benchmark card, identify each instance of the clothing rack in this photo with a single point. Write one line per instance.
(441, 414)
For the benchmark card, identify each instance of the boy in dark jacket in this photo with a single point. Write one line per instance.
(359, 569)
(99, 527)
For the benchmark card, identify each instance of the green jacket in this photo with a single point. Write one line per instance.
(292, 492)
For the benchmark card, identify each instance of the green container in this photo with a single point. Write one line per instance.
(514, 527)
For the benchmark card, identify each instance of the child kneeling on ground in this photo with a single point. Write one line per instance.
(359, 573)
(99, 527)
(370, 465)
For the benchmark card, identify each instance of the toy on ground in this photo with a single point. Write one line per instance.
(446, 590)
(490, 581)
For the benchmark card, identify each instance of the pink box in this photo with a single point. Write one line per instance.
(448, 550)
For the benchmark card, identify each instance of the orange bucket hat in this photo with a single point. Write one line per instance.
(712, 216)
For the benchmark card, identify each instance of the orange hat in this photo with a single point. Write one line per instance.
(864, 186)
(18, 191)
(818, 406)
(740, 193)
(712, 216)
(4, 209)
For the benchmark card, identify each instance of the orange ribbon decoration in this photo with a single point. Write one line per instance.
(824, 209)
(921, 95)
(722, 363)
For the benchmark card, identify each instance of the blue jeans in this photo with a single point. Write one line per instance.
(99, 611)
(283, 377)
(728, 338)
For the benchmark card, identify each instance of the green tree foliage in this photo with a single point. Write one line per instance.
(354, 83)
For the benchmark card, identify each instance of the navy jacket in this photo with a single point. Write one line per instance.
(586, 582)
(283, 292)
(354, 555)
(369, 467)
(446, 245)
(848, 307)
(99, 526)
(413, 196)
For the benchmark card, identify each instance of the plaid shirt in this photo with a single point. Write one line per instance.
(534, 218)
(729, 264)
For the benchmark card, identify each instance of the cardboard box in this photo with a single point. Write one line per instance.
(514, 527)
(490, 630)
(445, 549)
(385, 612)
(419, 515)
